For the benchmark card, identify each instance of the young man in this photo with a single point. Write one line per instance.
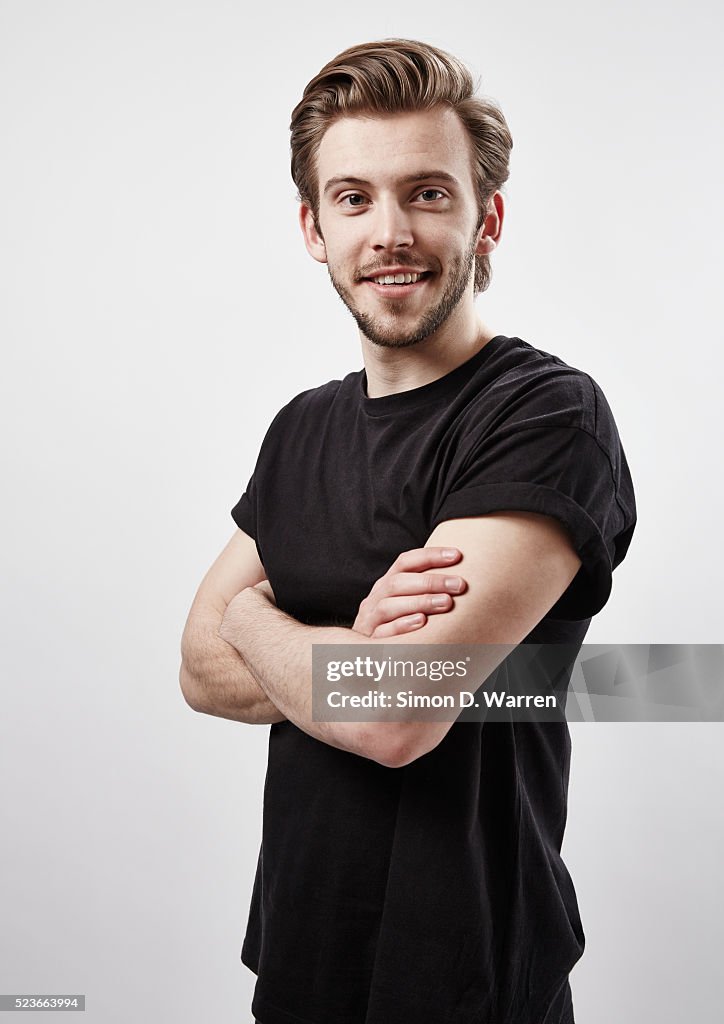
(464, 487)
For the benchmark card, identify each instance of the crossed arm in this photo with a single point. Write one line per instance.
(243, 658)
(216, 680)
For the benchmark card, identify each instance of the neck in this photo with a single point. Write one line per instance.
(392, 370)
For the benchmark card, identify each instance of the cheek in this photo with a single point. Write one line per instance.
(444, 237)
(336, 242)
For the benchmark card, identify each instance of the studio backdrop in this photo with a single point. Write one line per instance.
(158, 308)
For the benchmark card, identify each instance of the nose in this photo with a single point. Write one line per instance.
(390, 226)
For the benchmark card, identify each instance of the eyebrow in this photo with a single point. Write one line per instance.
(410, 179)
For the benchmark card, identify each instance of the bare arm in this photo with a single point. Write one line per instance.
(216, 680)
(214, 677)
(516, 565)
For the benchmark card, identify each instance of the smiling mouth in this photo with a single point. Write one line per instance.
(400, 278)
(398, 284)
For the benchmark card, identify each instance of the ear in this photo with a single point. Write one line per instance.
(312, 237)
(492, 226)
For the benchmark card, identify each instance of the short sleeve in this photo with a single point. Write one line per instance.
(578, 478)
(244, 512)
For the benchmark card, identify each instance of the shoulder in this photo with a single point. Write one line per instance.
(522, 383)
(520, 387)
(309, 406)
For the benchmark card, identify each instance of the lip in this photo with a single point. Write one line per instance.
(396, 270)
(396, 291)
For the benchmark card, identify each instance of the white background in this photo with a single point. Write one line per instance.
(158, 308)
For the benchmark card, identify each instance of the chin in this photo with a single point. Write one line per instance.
(390, 339)
(386, 334)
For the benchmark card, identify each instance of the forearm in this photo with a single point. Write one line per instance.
(216, 680)
(277, 650)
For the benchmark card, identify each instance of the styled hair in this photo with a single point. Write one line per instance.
(394, 76)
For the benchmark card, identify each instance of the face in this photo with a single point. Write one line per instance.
(398, 223)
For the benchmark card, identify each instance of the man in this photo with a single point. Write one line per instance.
(463, 488)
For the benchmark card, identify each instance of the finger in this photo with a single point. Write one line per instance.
(406, 624)
(419, 559)
(402, 583)
(391, 608)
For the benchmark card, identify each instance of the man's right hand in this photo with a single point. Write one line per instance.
(401, 600)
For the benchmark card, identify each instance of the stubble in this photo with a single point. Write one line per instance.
(385, 334)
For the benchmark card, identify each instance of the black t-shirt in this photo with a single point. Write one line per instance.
(433, 893)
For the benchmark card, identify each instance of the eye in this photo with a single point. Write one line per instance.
(352, 199)
(428, 195)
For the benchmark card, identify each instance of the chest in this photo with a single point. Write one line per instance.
(336, 507)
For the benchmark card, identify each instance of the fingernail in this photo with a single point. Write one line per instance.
(439, 601)
(449, 553)
(453, 584)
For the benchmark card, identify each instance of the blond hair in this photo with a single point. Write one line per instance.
(389, 77)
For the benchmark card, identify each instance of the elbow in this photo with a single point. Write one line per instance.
(397, 758)
(190, 688)
(395, 745)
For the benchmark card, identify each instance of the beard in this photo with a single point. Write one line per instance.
(379, 330)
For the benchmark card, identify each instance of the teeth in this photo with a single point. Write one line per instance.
(397, 279)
